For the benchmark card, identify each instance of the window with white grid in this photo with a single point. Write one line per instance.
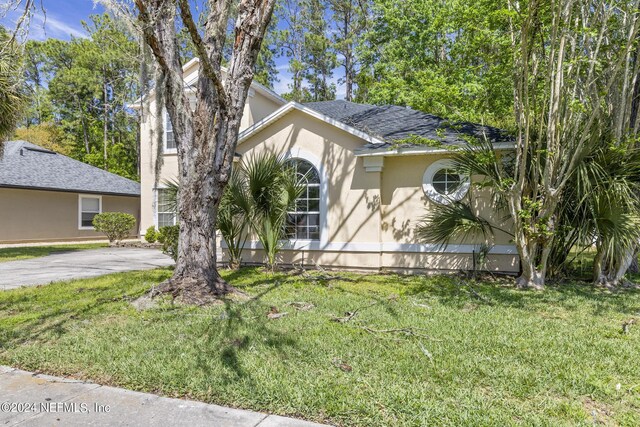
(166, 208)
(303, 223)
(169, 140)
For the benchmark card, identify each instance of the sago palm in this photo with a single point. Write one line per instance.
(234, 215)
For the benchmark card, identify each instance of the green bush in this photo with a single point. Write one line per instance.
(151, 236)
(116, 225)
(168, 236)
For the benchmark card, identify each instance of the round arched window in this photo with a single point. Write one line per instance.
(443, 184)
(303, 223)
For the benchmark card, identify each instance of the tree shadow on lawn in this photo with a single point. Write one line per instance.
(457, 291)
(30, 317)
(237, 328)
(243, 325)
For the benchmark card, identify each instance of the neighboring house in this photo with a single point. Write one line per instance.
(372, 173)
(45, 196)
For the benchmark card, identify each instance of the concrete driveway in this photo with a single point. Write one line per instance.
(78, 265)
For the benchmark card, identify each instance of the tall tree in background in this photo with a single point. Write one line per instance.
(79, 94)
(206, 138)
(266, 72)
(318, 55)
(291, 44)
(305, 40)
(350, 19)
(451, 58)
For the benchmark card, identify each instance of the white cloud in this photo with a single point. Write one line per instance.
(45, 26)
(282, 86)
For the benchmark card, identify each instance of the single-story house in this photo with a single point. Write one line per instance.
(370, 179)
(46, 196)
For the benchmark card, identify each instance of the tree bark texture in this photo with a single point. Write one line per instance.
(206, 139)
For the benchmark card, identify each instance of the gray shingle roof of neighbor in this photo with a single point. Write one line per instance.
(26, 165)
(393, 123)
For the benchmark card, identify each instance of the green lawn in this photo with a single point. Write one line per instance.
(417, 351)
(14, 254)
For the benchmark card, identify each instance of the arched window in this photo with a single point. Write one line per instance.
(303, 223)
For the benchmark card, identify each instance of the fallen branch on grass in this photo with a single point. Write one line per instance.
(472, 291)
(404, 331)
(351, 314)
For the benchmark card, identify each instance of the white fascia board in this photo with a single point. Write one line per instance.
(284, 110)
(413, 151)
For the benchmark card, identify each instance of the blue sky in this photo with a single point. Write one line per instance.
(61, 19)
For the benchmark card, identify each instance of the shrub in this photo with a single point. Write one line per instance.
(151, 235)
(168, 236)
(116, 225)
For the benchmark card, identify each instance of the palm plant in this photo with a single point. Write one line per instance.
(233, 216)
(453, 221)
(600, 207)
(171, 187)
(602, 210)
(273, 188)
(257, 199)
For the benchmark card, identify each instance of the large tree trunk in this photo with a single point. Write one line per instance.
(206, 139)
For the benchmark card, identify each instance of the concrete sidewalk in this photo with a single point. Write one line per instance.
(41, 400)
(78, 265)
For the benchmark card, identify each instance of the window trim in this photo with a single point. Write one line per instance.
(433, 194)
(156, 217)
(87, 196)
(165, 149)
(299, 153)
(316, 212)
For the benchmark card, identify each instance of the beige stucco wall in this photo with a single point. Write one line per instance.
(257, 108)
(34, 215)
(370, 216)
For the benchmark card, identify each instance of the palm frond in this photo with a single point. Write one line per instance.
(455, 221)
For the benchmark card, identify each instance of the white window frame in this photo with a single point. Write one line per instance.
(435, 195)
(307, 185)
(87, 196)
(299, 153)
(165, 120)
(157, 215)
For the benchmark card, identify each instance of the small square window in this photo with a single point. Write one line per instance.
(90, 206)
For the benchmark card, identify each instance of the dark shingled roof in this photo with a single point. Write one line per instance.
(26, 165)
(392, 123)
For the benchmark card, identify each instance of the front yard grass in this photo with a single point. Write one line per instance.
(27, 252)
(372, 350)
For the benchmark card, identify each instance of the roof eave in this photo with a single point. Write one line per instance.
(421, 151)
(284, 110)
(66, 190)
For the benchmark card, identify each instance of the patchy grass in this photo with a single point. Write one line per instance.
(414, 350)
(26, 252)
